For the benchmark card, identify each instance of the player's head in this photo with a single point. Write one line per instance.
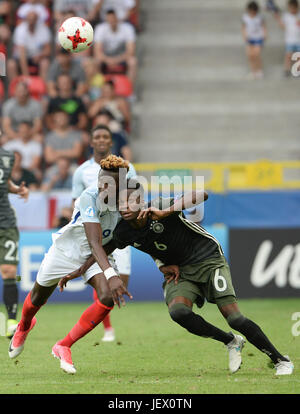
(101, 140)
(131, 200)
(293, 6)
(112, 174)
(252, 8)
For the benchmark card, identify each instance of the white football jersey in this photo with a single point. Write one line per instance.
(71, 239)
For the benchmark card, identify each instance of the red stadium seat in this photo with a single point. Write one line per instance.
(37, 87)
(1, 90)
(123, 85)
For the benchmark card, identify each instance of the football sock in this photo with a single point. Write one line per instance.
(90, 318)
(10, 297)
(196, 325)
(106, 320)
(254, 335)
(28, 312)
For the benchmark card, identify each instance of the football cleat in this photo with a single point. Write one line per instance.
(63, 353)
(16, 344)
(235, 352)
(11, 328)
(284, 367)
(109, 335)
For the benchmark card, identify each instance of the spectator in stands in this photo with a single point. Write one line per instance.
(30, 150)
(5, 21)
(63, 141)
(65, 65)
(118, 106)
(22, 108)
(95, 79)
(63, 218)
(32, 48)
(114, 46)
(33, 6)
(20, 174)
(254, 33)
(59, 176)
(122, 8)
(120, 146)
(80, 8)
(69, 103)
(290, 22)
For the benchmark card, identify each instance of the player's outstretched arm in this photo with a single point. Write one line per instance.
(188, 200)
(21, 189)
(109, 248)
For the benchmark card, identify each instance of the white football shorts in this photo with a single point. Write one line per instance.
(123, 260)
(56, 265)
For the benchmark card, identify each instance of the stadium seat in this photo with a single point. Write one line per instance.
(123, 85)
(1, 90)
(37, 87)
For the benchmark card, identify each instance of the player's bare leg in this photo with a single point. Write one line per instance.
(256, 337)
(10, 296)
(109, 332)
(33, 302)
(90, 318)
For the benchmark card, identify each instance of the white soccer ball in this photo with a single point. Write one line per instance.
(75, 34)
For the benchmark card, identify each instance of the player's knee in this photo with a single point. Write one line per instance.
(180, 313)
(8, 271)
(105, 298)
(236, 320)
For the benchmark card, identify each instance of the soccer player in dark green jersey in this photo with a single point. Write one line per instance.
(9, 238)
(195, 269)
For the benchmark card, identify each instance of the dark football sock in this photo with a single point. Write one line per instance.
(254, 335)
(10, 297)
(196, 325)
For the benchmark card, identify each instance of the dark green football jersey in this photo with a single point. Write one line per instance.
(173, 240)
(7, 213)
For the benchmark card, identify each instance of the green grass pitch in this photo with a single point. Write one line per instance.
(151, 355)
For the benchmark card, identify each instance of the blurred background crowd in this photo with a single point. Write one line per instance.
(50, 98)
(194, 76)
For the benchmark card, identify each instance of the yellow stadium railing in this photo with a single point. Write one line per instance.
(223, 176)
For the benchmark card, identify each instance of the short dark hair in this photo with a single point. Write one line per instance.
(110, 11)
(253, 6)
(105, 112)
(101, 126)
(293, 3)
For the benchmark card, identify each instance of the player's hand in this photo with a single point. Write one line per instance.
(171, 272)
(64, 280)
(153, 213)
(118, 290)
(23, 191)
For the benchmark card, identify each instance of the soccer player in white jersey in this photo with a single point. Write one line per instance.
(90, 229)
(85, 175)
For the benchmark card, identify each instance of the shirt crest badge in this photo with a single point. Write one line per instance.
(157, 227)
(6, 162)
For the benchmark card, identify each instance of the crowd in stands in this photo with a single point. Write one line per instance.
(254, 33)
(50, 98)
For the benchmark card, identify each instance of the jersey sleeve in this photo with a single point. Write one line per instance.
(88, 208)
(77, 184)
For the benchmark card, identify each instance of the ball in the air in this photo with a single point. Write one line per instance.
(75, 34)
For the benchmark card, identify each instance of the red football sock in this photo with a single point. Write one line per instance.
(90, 318)
(106, 320)
(28, 312)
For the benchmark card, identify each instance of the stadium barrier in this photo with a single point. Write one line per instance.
(145, 281)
